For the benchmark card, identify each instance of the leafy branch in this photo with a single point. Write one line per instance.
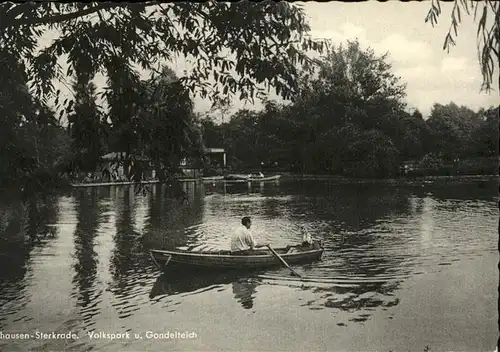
(11, 16)
(487, 35)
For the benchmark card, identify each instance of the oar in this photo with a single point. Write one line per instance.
(282, 260)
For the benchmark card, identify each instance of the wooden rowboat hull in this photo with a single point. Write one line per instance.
(225, 260)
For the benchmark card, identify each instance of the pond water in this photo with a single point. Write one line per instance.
(405, 266)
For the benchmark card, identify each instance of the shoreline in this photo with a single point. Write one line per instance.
(302, 177)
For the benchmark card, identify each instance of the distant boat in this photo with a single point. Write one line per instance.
(237, 177)
(212, 178)
(227, 260)
(114, 183)
(251, 178)
(265, 178)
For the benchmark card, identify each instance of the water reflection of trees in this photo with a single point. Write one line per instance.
(89, 212)
(350, 219)
(129, 264)
(358, 299)
(170, 216)
(224, 188)
(457, 189)
(24, 226)
(239, 199)
(128, 253)
(355, 206)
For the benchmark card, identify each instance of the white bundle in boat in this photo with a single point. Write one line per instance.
(306, 236)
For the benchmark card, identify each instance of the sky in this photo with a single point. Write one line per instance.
(415, 50)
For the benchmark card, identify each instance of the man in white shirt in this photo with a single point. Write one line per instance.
(242, 239)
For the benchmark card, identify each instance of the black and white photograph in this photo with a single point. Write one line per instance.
(249, 176)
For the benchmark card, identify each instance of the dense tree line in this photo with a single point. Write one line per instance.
(350, 119)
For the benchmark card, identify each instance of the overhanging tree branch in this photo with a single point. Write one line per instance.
(66, 16)
(14, 11)
(487, 37)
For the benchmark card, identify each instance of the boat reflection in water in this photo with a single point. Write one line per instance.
(244, 291)
(178, 281)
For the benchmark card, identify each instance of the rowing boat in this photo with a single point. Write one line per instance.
(256, 259)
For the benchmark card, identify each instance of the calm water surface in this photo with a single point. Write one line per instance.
(405, 266)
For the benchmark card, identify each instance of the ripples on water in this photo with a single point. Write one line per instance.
(80, 262)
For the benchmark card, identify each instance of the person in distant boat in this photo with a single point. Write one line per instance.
(242, 239)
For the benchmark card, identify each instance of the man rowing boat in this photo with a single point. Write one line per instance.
(242, 239)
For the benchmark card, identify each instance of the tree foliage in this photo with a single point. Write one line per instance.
(488, 34)
(165, 125)
(350, 119)
(354, 93)
(32, 144)
(86, 126)
(267, 39)
(454, 131)
(349, 149)
(237, 49)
